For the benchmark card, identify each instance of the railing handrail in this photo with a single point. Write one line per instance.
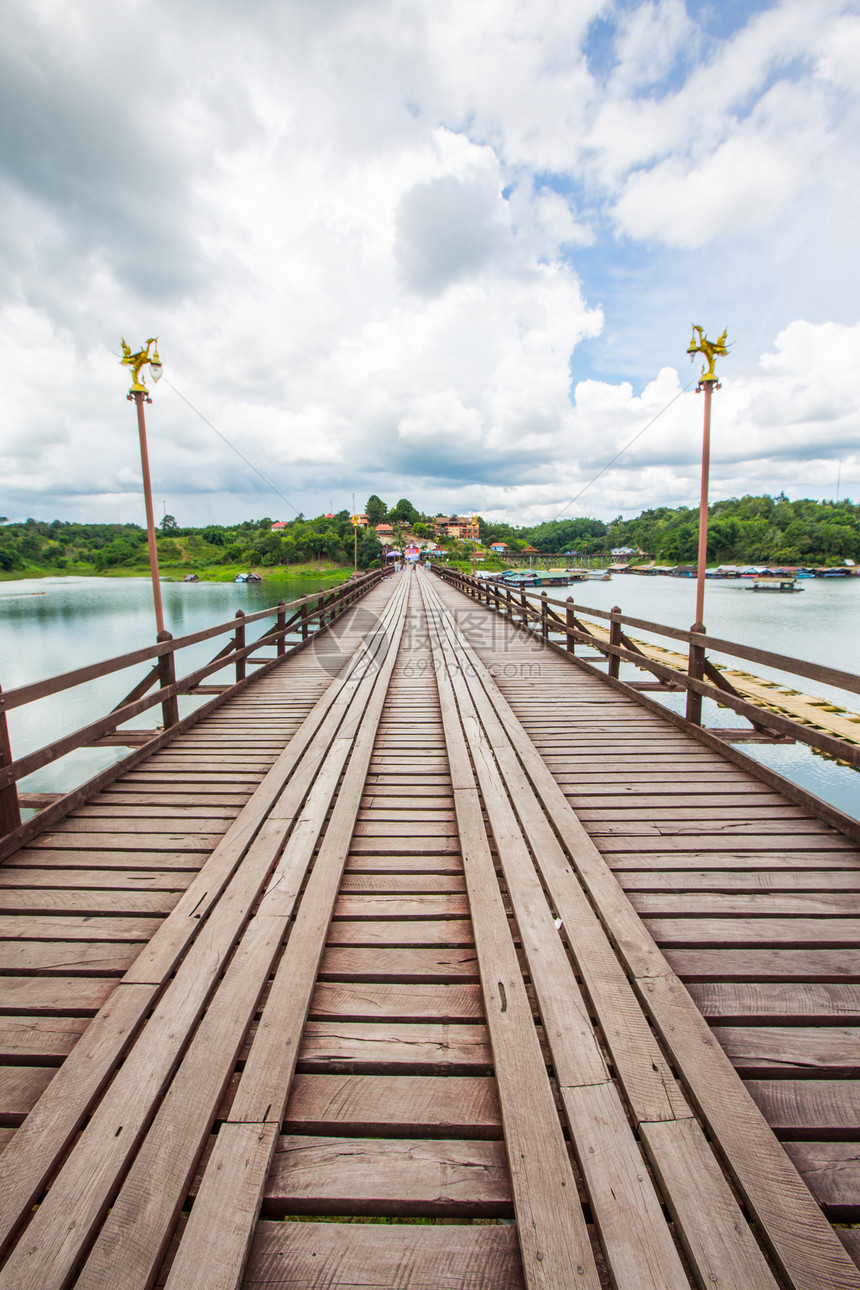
(330, 603)
(750, 653)
(33, 690)
(618, 648)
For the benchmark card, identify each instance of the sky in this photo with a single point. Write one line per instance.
(429, 249)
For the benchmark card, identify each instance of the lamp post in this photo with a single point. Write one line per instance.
(355, 524)
(707, 384)
(138, 394)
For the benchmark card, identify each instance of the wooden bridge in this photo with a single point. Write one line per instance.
(428, 957)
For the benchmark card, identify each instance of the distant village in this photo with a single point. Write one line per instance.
(747, 531)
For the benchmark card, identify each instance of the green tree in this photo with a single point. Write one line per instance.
(403, 511)
(168, 524)
(369, 548)
(375, 510)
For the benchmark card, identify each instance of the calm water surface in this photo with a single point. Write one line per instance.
(819, 625)
(51, 625)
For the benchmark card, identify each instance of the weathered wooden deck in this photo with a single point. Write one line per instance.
(462, 935)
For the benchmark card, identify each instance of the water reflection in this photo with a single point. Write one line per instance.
(53, 625)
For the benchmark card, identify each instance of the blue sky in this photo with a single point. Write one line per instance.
(443, 251)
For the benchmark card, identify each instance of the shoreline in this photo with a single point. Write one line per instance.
(176, 573)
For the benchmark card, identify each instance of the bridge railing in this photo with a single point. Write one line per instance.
(549, 617)
(296, 622)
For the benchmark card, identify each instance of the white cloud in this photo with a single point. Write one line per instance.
(373, 239)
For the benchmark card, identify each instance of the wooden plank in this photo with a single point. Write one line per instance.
(124, 823)
(392, 1048)
(390, 884)
(393, 1001)
(372, 907)
(75, 928)
(699, 826)
(94, 879)
(802, 933)
(738, 1116)
(576, 1055)
(749, 862)
(831, 1170)
(714, 904)
(102, 1150)
(153, 1191)
(776, 1003)
(362, 1256)
(404, 864)
(405, 932)
(39, 1040)
(648, 1082)
(268, 1076)
(788, 841)
(404, 845)
(446, 966)
(751, 880)
(57, 1116)
(20, 1089)
(58, 996)
(75, 902)
(750, 965)
(402, 1177)
(119, 860)
(394, 1105)
(68, 958)
(796, 1051)
(718, 1243)
(199, 842)
(791, 1223)
(809, 1108)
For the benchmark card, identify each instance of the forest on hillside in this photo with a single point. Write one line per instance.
(746, 530)
(740, 531)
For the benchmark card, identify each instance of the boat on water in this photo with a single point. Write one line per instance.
(547, 577)
(773, 583)
(519, 577)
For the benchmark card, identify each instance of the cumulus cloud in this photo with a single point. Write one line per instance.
(423, 250)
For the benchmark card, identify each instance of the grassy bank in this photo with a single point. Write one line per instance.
(327, 571)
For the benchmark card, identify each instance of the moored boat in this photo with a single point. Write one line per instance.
(773, 583)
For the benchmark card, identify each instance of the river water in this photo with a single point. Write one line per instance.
(818, 624)
(51, 625)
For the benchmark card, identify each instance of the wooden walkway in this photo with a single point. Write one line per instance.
(462, 940)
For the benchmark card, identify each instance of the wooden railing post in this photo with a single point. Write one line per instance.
(166, 677)
(569, 615)
(510, 603)
(524, 609)
(10, 811)
(239, 643)
(615, 639)
(544, 617)
(281, 629)
(696, 671)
